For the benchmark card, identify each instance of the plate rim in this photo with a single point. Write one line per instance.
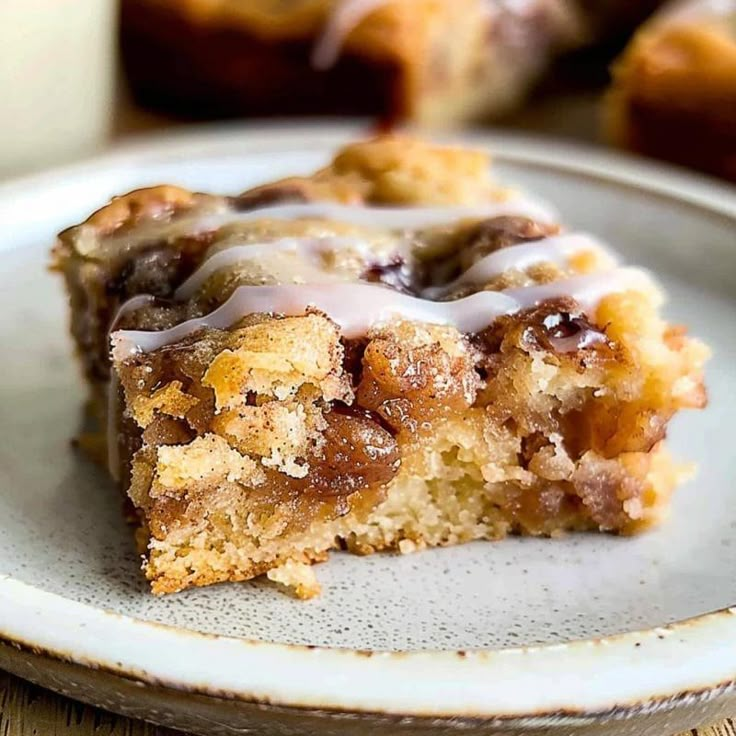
(501, 684)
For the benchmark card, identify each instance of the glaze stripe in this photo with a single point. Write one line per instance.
(357, 307)
(233, 255)
(554, 249)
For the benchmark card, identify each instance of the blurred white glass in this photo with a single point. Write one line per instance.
(57, 61)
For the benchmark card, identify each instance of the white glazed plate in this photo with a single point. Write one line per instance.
(587, 634)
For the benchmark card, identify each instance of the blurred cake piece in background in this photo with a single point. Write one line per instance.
(674, 89)
(430, 61)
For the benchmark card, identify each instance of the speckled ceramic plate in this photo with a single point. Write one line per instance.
(588, 634)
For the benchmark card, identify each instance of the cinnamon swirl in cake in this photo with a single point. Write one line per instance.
(391, 354)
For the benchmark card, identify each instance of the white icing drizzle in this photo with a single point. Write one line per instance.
(554, 249)
(136, 302)
(388, 218)
(310, 247)
(586, 290)
(346, 16)
(357, 307)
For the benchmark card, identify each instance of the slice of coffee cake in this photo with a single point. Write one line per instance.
(391, 354)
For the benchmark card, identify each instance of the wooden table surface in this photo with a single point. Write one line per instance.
(27, 710)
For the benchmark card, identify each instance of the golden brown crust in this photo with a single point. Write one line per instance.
(277, 359)
(401, 170)
(127, 212)
(149, 203)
